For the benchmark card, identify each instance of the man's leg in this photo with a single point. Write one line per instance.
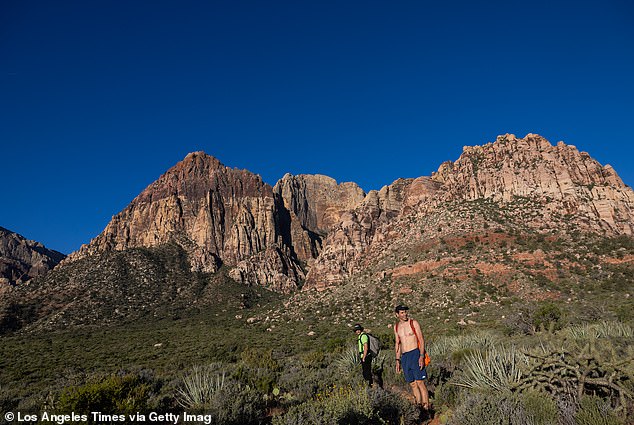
(367, 370)
(416, 391)
(424, 399)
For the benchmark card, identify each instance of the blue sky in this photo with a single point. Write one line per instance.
(99, 98)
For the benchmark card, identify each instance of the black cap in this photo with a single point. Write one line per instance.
(400, 307)
(357, 327)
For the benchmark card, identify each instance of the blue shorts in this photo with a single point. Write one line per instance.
(411, 368)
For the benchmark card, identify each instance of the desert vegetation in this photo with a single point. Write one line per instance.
(578, 374)
(551, 342)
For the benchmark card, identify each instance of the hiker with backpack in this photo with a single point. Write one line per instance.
(368, 350)
(411, 357)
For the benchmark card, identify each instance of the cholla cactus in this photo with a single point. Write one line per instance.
(582, 371)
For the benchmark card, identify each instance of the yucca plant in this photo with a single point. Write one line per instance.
(199, 386)
(604, 329)
(495, 368)
(349, 359)
(445, 346)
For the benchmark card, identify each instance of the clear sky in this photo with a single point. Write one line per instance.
(99, 98)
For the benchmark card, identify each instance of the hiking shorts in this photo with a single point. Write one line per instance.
(411, 369)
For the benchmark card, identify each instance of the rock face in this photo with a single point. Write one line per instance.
(310, 230)
(21, 260)
(217, 214)
(316, 204)
(560, 177)
(227, 216)
(534, 183)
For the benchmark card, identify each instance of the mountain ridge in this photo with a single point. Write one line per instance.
(309, 233)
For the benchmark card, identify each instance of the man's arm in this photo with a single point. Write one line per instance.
(421, 360)
(397, 350)
(365, 348)
(420, 336)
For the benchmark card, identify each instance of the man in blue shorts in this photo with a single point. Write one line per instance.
(410, 352)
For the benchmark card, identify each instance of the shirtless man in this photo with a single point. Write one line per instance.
(410, 350)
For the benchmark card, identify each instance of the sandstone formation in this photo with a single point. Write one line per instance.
(219, 215)
(21, 260)
(531, 182)
(563, 179)
(309, 227)
(315, 203)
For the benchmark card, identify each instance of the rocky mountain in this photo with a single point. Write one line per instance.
(516, 217)
(22, 260)
(224, 216)
(525, 183)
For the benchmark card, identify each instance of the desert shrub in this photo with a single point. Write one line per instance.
(505, 408)
(338, 404)
(259, 358)
(444, 347)
(446, 395)
(210, 390)
(313, 359)
(236, 405)
(540, 408)
(625, 312)
(391, 408)
(335, 345)
(120, 394)
(258, 369)
(603, 329)
(488, 408)
(547, 316)
(299, 381)
(350, 404)
(596, 411)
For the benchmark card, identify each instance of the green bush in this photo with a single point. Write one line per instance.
(349, 404)
(540, 408)
(236, 405)
(505, 408)
(547, 316)
(258, 369)
(117, 394)
(596, 411)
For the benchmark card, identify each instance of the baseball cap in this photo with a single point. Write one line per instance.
(400, 307)
(357, 327)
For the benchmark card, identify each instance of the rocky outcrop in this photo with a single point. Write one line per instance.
(219, 215)
(534, 183)
(21, 260)
(563, 179)
(227, 216)
(316, 204)
(363, 226)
